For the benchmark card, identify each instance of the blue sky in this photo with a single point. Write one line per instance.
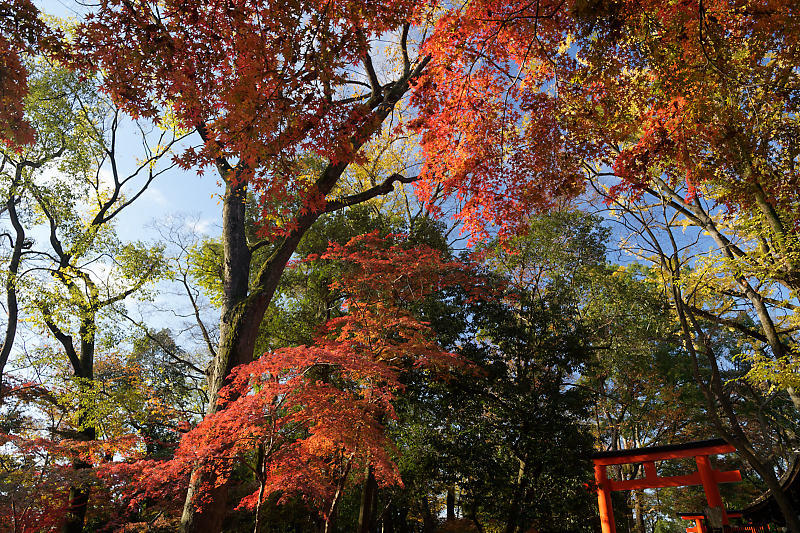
(193, 198)
(174, 192)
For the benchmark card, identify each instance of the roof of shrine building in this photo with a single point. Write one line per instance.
(764, 510)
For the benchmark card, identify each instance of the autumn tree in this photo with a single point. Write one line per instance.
(71, 186)
(720, 329)
(670, 110)
(266, 85)
(659, 97)
(534, 88)
(263, 85)
(308, 419)
(23, 34)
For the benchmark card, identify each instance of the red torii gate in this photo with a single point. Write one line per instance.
(698, 522)
(699, 517)
(706, 476)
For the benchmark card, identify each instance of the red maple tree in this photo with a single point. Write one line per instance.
(308, 420)
(22, 35)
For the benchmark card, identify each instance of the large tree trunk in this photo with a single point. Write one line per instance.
(76, 507)
(390, 519)
(512, 521)
(242, 314)
(639, 508)
(78, 498)
(473, 514)
(369, 500)
(12, 306)
(428, 520)
(451, 502)
(232, 350)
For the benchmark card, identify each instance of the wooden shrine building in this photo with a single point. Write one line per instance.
(764, 511)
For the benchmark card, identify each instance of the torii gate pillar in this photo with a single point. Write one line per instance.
(710, 486)
(604, 500)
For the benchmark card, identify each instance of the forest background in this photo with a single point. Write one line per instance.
(459, 247)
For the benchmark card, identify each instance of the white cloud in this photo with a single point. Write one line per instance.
(154, 195)
(106, 179)
(199, 225)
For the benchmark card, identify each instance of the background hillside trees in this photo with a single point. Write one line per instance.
(66, 267)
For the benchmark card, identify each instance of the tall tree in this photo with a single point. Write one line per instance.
(58, 185)
(721, 315)
(262, 84)
(489, 431)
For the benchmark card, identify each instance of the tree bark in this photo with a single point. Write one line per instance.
(78, 497)
(369, 495)
(337, 497)
(639, 508)
(512, 520)
(261, 465)
(451, 502)
(77, 506)
(428, 520)
(232, 351)
(473, 514)
(12, 306)
(390, 519)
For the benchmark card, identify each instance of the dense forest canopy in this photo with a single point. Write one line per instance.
(461, 246)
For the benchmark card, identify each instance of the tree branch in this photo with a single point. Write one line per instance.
(161, 345)
(385, 187)
(65, 340)
(375, 85)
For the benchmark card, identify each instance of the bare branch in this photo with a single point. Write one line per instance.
(385, 187)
